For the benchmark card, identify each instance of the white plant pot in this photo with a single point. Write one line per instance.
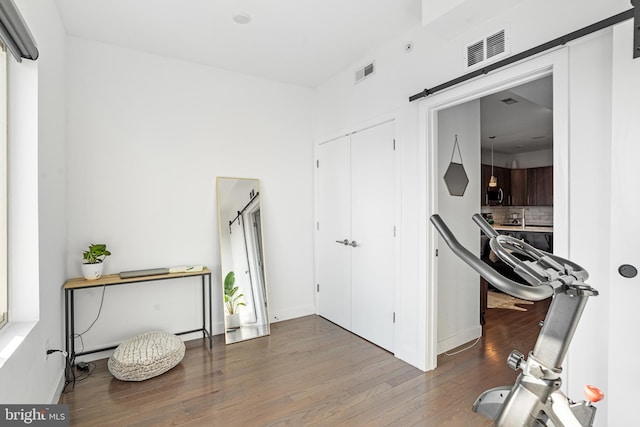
(232, 321)
(92, 271)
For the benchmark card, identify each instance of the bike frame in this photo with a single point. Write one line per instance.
(535, 399)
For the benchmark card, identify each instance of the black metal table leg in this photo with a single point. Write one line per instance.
(210, 315)
(66, 321)
(204, 326)
(72, 332)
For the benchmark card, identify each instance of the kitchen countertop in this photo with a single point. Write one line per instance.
(527, 228)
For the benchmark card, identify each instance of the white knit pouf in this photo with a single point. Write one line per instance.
(146, 356)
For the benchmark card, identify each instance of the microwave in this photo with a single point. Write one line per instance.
(494, 195)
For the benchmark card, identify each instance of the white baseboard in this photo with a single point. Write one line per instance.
(459, 339)
(56, 391)
(291, 313)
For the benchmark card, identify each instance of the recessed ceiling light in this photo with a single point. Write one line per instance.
(241, 18)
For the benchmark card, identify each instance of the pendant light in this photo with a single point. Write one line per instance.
(493, 181)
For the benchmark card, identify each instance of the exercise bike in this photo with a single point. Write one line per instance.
(535, 399)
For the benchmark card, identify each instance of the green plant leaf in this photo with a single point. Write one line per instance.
(96, 253)
(231, 300)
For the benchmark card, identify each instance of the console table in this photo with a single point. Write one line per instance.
(80, 283)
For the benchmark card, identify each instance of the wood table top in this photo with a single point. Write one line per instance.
(115, 279)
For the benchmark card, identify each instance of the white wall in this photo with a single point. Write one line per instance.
(37, 213)
(147, 137)
(435, 59)
(458, 286)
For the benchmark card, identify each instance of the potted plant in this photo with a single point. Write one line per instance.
(93, 260)
(232, 301)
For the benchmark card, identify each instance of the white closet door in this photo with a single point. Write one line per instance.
(372, 230)
(334, 259)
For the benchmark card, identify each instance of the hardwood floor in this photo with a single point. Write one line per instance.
(308, 372)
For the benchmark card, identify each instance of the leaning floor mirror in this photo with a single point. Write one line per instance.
(244, 287)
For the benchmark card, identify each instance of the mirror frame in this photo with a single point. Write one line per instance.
(251, 293)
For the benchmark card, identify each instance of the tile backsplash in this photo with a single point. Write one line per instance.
(534, 215)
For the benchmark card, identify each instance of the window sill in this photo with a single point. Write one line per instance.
(11, 337)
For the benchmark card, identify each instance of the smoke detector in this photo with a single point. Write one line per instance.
(241, 18)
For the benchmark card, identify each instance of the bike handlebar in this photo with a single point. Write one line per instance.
(535, 292)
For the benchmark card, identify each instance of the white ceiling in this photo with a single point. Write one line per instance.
(301, 42)
(526, 125)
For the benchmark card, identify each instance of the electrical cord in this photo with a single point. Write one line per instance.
(79, 335)
(464, 349)
(104, 287)
(87, 374)
(72, 373)
(69, 368)
(69, 372)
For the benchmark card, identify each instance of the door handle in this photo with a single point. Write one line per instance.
(354, 243)
(344, 242)
(628, 271)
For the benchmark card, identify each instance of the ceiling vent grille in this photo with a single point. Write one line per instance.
(490, 47)
(365, 72)
(496, 44)
(475, 53)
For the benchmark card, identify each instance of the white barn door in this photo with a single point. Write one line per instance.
(622, 394)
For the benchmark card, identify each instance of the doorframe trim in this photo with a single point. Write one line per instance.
(555, 63)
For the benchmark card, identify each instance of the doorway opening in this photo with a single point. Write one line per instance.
(453, 291)
(516, 180)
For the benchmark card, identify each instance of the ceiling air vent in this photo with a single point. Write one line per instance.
(475, 53)
(495, 44)
(490, 47)
(365, 72)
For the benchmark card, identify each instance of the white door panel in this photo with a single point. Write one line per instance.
(625, 233)
(333, 215)
(372, 213)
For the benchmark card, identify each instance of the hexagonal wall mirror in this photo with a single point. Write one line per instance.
(455, 177)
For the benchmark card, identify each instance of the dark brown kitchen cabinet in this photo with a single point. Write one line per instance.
(519, 187)
(540, 186)
(532, 187)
